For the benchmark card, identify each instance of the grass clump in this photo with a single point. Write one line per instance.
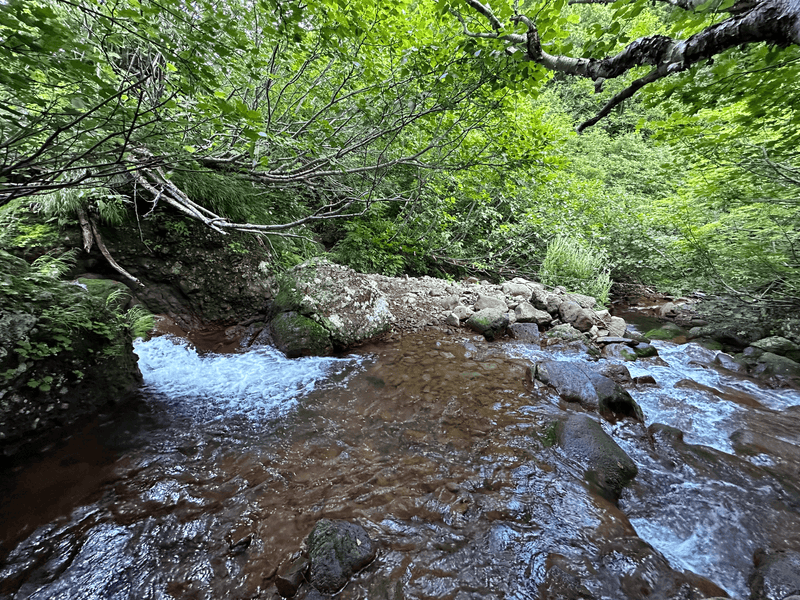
(576, 266)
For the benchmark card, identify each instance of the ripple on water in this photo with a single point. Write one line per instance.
(259, 384)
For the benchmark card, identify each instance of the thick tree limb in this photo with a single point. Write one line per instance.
(774, 22)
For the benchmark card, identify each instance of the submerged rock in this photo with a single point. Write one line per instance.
(337, 549)
(606, 464)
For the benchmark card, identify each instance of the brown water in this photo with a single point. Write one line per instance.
(434, 444)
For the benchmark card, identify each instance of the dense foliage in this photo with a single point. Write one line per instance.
(390, 139)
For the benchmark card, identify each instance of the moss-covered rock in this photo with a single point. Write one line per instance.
(490, 322)
(296, 335)
(65, 352)
(337, 550)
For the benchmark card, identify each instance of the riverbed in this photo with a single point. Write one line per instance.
(213, 475)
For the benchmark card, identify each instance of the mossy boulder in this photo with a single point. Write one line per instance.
(337, 550)
(64, 352)
(606, 464)
(296, 335)
(490, 322)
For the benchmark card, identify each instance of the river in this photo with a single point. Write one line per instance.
(209, 479)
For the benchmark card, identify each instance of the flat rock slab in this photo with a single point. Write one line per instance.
(612, 339)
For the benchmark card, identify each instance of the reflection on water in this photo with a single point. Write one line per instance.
(203, 486)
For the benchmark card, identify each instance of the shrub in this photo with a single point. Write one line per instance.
(577, 267)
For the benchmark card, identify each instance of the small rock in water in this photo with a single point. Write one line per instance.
(291, 575)
(337, 549)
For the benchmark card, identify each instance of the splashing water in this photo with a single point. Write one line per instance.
(259, 384)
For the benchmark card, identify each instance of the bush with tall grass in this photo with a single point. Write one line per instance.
(578, 267)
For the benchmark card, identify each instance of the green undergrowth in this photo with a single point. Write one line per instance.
(50, 324)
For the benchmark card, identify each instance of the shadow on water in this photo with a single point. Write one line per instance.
(436, 444)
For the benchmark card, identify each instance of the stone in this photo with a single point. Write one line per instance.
(296, 335)
(485, 301)
(526, 313)
(617, 327)
(517, 289)
(452, 320)
(577, 316)
(565, 332)
(607, 466)
(337, 550)
(582, 300)
(777, 575)
(615, 340)
(774, 364)
(491, 322)
(577, 382)
(618, 352)
(776, 345)
(617, 372)
(525, 332)
(544, 299)
(644, 380)
(463, 312)
(291, 575)
(643, 350)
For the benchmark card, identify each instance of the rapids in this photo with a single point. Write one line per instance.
(205, 483)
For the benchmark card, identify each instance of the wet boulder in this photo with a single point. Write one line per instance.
(777, 575)
(774, 364)
(606, 464)
(491, 322)
(618, 352)
(525, 332)
(576, 382)
(337, 550)
(296, 335)
(644, 350)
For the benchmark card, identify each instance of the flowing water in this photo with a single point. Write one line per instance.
(204, 484)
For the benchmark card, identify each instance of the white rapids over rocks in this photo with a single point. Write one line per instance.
(258, 384)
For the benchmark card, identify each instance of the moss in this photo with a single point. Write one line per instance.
(550, 434)
(662, 334)
(296, 335)
(710, 344)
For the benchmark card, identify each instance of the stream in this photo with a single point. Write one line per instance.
(206, 482)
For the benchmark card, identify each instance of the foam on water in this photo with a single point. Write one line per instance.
(259, 384)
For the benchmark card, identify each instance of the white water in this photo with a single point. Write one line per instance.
(259, 384)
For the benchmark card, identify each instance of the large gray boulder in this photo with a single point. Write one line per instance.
(485, 301)
(606, 464)
(576, 382)
(573, 313)
(491, 322)
(337, 550)
(526, 313)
